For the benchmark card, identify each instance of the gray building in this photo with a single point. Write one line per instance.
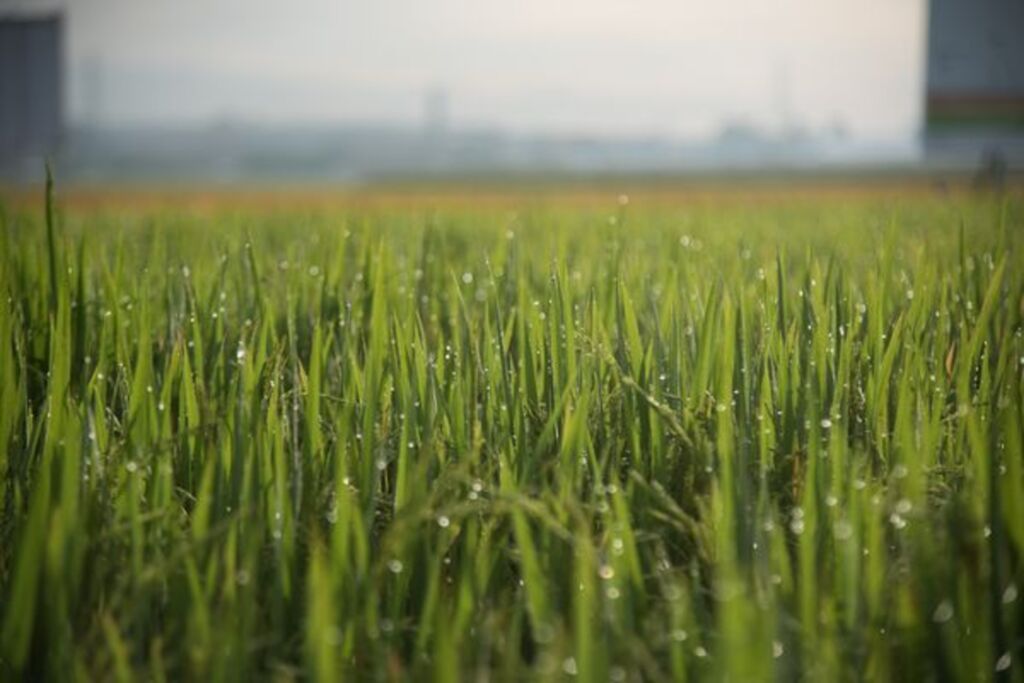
(974, 88)
(31, 90)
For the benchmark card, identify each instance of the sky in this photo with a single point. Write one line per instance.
(679, 68)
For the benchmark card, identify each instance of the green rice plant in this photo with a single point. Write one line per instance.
(657, 441)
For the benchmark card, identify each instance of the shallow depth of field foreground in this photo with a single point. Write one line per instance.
(604, 439)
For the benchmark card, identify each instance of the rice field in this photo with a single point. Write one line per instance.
(611, 440)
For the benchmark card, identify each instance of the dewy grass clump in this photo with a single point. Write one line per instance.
(699, 442)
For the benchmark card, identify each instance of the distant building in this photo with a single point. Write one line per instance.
(974, 99)
(435, 111)
(31, 101)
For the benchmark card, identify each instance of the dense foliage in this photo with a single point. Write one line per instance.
(779, 439)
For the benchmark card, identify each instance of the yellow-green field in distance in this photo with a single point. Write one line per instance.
(744, 432)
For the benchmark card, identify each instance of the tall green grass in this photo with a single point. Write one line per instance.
(664, 443)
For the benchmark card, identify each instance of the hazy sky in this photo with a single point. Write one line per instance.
(677, 67)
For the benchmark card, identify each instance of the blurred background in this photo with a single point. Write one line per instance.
(328, 90)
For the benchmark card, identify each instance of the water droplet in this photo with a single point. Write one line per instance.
(131, 466)
(569, 666)
(943, 612)
(679, 635)
(1004, 662)
(826, 423)
(777, 649)
(443, 521)
(395, 566)
(843, 530)
(1010, 594)
(606, 572)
